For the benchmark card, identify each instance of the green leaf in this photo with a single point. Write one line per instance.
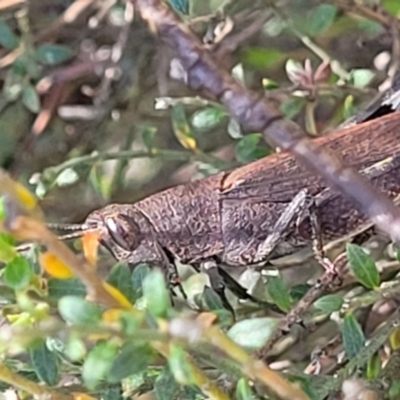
(211, 299)
(18, 273)
(45, 363)
(12, 87)
(7, 249)
(67, 178)
(179, 366)
(180, 5)
(130, 322)
(392, 6)
(261, 58)
(269, 84)
(353, 336)
(165, 386)
(292, 107)
(53, 54)
(208, 118)
(247, 149)
(58, 288)
(243, 390)
(120, 278)
(156, 294)
(394, 391)
(148, 135)
(3, 214)
(361, 77)
(98, 364)
(297, 292)
(7, 37)
(30, 99)
(348, 107)
(7, 238)
(279, 293)
(374, 367)
(363, 266)
(182, 129)
(253, 333)
(79, 311)
(132, 359)
(139, 273)
(75, 348)
(329, 303)
(225, 317)
(321, 19)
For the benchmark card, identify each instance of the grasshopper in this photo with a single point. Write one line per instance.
(252, 214)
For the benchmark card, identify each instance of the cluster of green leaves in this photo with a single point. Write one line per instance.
(112, 353)
(108, 353)
(26, 69)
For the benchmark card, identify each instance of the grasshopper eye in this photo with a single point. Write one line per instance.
(121, 233)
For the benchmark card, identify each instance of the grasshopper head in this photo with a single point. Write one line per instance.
(118, 231)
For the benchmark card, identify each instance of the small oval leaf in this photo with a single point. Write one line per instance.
(361, 77)
(30, 99)
(182, 129)
(138, 275)
(322, 18)
(363, 266)
(211, 299)
(243, 390)
(79, 311)
(279, 293)
(7, 37)
(247, 149)
(18, 273)
(353, 336)
(120, 278)
(179, 366)
(253, 333)
(45, 363)
(208, 117)
(156, 294)
(58, 288)
(98, 363)
(131, 360)
(53, 54)
(180, 5)
(165, 386)
(329, 303)
(7, 249)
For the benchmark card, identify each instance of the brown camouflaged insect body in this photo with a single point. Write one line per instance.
(229, 215)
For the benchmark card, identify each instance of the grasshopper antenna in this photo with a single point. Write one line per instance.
(72, 235)
(76, 230)
(79, 231)
(67, 227)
